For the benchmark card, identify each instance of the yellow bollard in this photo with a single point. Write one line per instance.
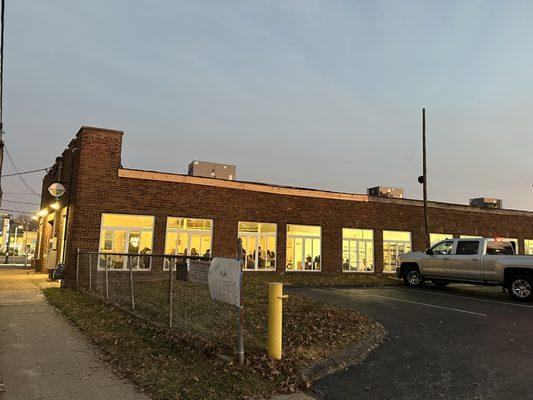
(275, 312)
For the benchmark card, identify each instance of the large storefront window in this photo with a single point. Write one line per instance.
(258, 245)
(122, 233)
(189, 236)
(357, 250)
(394, 244)
(438, 237)
(528, 246)
(303, 250)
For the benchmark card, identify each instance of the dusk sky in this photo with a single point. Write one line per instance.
(321, 94)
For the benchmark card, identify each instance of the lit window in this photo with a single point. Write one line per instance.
(189, 236)
(258, 245)
(126, 234)
(394, 244)
(303, 252)
(528, 246)
(439, 237)
(357, 250)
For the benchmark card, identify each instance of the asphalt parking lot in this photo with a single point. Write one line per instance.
(458, 342)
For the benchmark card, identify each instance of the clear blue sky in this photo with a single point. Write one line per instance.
(324, 94)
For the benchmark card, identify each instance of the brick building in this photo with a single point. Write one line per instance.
(110, 208)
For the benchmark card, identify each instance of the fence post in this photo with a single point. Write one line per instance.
(170, 292)
(77, 268)
(106, 282)
(131, 283)
(90, 273)
(240, 337)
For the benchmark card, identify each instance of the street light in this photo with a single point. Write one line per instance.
(16, 238)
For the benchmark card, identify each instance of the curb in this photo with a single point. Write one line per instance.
(346, 358)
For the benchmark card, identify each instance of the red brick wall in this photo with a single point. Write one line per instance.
(100, 190)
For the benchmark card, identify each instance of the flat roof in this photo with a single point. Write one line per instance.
(302, 192)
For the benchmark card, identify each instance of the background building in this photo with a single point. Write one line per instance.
(115, 209)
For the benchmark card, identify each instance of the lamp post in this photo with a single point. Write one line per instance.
(16, 239)
(8, 237)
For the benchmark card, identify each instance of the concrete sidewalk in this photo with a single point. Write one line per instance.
(41, 355)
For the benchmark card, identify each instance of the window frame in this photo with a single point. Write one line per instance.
(302, 237)
(395, 241)
(257, 236)
(528, 245)
(452, 250)
(479, 244)
(189, 236)
(357, 240)
(127, 230)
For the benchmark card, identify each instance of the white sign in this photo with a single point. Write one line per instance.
(225, 276)
(57, 189)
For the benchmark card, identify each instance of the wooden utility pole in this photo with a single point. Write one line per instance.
(2, 94)
(425, 181)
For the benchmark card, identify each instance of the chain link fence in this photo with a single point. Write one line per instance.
(168, 291)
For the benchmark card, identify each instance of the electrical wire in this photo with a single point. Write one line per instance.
(16, 211)
(20, 202)
(16, 170)
(26, 172)
(22, 193)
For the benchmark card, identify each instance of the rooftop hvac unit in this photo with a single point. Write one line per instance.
(384, 191)
(212, 170)
(486, 202)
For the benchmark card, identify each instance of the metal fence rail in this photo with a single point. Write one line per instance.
(166, 290)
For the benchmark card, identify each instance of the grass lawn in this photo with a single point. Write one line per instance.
(166, 368)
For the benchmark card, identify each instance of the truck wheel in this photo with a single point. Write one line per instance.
(521, 287)
(440, 283)
(412, 277)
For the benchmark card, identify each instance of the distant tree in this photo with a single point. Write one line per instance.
(22, 219)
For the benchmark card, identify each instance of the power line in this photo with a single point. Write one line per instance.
(16, 211)
(20, 202)
(26, 172)
(22, 193)
(16, 170)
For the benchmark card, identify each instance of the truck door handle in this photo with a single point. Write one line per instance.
(475, 259)
(446, 259)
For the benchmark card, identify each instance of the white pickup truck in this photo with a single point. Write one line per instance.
(477, 261)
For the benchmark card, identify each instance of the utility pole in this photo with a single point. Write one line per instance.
(425, 181)
(2, 93)
(8, 237)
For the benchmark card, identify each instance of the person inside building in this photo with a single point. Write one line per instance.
(207, 253)
(250, 262)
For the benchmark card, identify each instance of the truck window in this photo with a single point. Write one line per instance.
(443, 248)
(467, 247)
(496, 247)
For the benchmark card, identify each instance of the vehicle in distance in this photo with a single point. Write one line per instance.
(477, 261)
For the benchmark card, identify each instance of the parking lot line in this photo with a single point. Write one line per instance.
(465, 297)
(415, 302)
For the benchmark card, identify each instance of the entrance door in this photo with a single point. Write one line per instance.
(391, 251)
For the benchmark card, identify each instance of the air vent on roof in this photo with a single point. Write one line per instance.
(384, 191)
(212, 170)
(486, 202)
